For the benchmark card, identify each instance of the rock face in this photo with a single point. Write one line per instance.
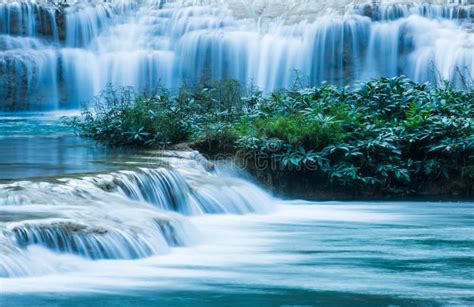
(312, 186)
(60, 54)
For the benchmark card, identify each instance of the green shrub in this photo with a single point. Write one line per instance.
(391, 134)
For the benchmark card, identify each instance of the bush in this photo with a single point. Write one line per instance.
(391, 135)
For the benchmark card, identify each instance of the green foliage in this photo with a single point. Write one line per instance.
(390, 135)
(119, 117)
(300, 130)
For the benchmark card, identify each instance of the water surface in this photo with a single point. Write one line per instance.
(304, 253)
(164, 229)
(42, 145)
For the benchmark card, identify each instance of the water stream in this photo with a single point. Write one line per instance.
(153, 227)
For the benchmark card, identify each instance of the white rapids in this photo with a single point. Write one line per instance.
(130, 214)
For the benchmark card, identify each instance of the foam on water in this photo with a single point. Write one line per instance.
(412, 251)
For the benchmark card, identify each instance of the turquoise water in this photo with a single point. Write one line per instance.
(42, 145)
(297, 253)
(305, 253)
(34, 124)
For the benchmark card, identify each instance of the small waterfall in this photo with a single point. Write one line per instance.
(392, 11)
(28, 74)
(26, 18)
(84, 22)
(130, 214)
(97, 242)
(81, 48)
(14, 262)
(169, 190)
(28, 57)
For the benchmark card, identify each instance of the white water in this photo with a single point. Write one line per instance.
(380, 253)
(222, 242)
(144, 43)
(124, 215)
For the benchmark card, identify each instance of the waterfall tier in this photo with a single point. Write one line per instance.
(56, 57)
(124, 215)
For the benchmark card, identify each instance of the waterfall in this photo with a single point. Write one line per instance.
(93, 243)
(28, 19)
(428, 10)
(84, 22)
(56, 57)
(131, 214)
(168, 190)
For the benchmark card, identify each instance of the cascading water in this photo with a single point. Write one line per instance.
(123, 215)
(52, 56)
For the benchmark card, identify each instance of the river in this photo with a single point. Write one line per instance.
(148, 228)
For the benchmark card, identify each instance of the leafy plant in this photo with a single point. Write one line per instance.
(390, 135)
